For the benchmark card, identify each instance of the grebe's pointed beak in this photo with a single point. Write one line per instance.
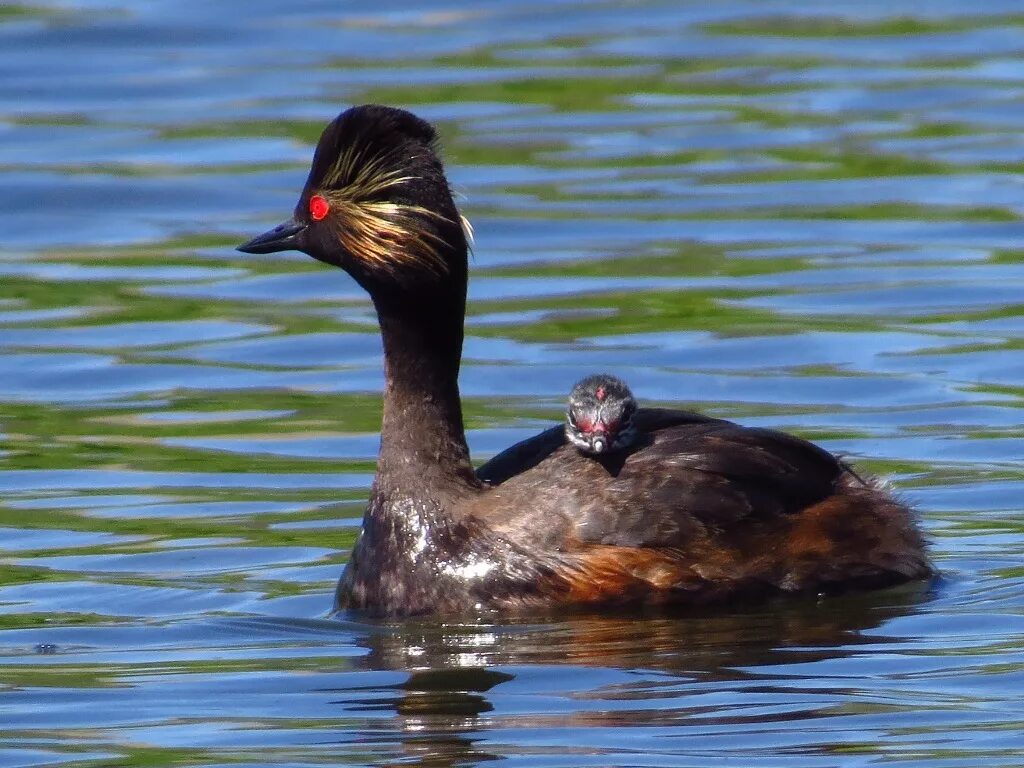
(283, 237)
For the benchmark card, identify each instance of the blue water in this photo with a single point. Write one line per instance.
(800, 216)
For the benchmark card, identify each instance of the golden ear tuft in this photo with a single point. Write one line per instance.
(467, 229)
(385, 234)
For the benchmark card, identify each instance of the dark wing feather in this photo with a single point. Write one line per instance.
(528, 453)
(687, 478)
(796, 471)
(521, 456)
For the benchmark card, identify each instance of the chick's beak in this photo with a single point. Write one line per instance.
(283, 237)
(599, 437)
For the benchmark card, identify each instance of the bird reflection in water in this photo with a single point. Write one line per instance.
(452, 696)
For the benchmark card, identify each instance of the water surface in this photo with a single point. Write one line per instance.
(804, 218)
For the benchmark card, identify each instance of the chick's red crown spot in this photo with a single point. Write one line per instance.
(318, 207)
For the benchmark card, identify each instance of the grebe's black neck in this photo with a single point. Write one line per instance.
(423, 442)
(377, 204)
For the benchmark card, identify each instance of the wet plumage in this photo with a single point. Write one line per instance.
(693, 510)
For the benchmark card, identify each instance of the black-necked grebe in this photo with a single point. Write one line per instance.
(599, 416)
(696, 510)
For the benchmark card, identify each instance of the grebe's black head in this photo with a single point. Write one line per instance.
(599, 418)
(376, 202)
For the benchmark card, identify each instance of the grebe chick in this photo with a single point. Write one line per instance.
(599, 417)
(702, 511)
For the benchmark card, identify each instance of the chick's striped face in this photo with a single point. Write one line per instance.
(599, 421)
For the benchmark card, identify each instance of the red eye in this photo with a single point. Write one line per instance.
(318, 207)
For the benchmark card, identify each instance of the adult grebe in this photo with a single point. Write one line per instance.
(695, 511)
